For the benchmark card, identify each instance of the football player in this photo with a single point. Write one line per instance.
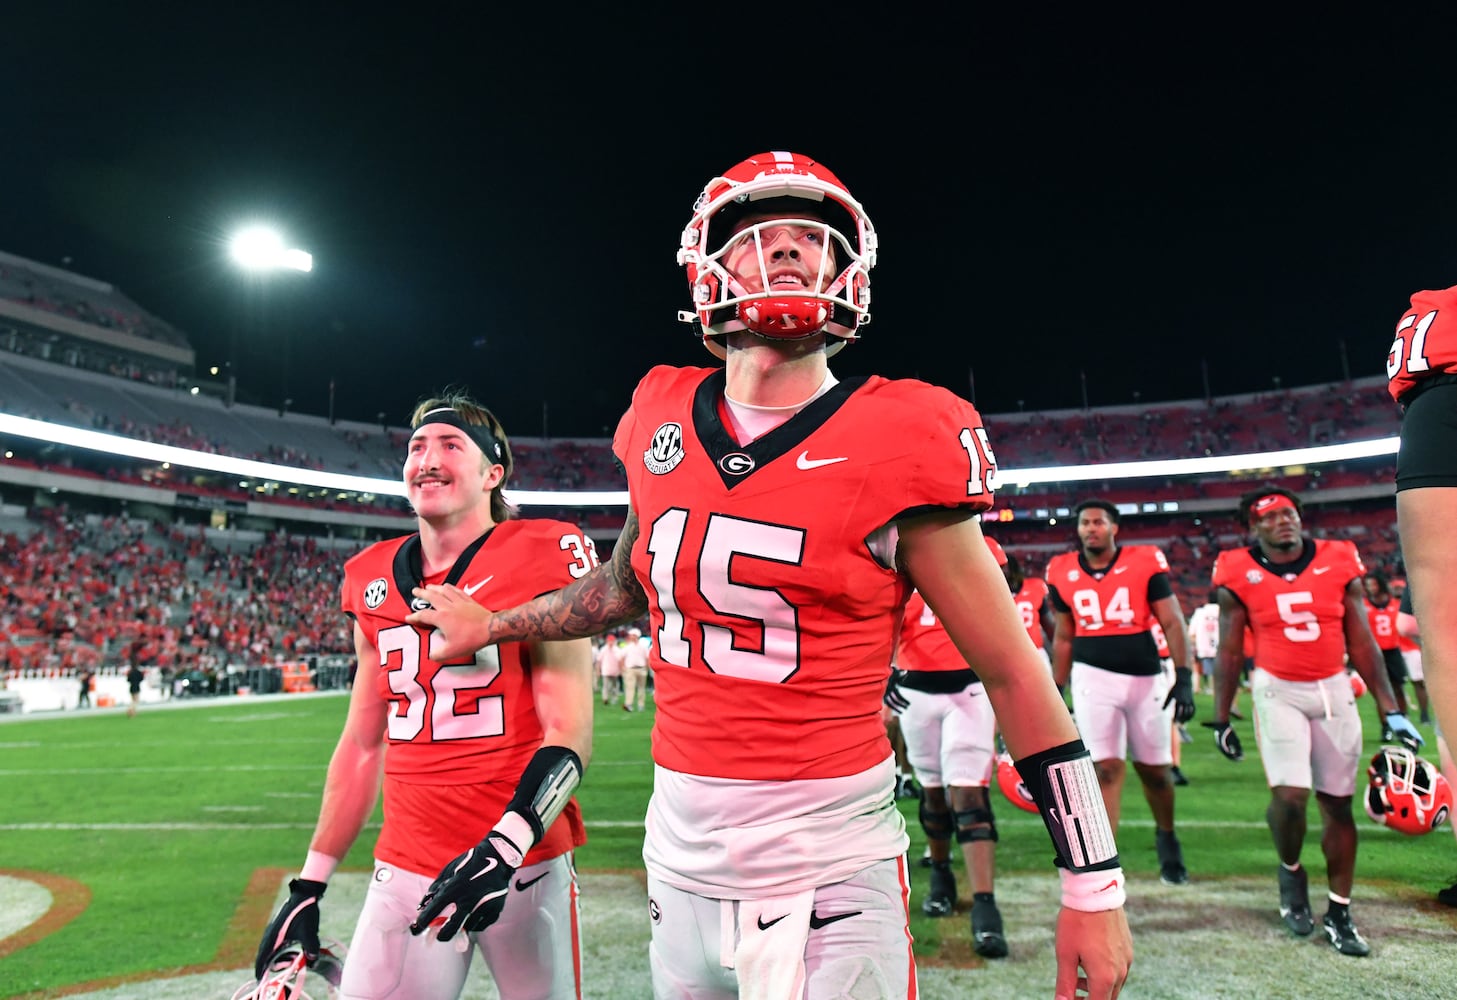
(1381, 610)
(1410, 629)
(779, 519)
(1422, 369)
(479, 748)
(950, 735)
(1302, 599)
(1105, 596)
(1029, 594)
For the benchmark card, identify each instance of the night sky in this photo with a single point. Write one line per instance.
(494, 201)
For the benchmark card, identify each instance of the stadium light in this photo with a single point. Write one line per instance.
(77, 437)
(260, 248)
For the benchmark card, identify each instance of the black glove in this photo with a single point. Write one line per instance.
(476, 882)
(1404, 732)
(894, 700)
(297, 920)
(1182, 694)
(1227, 740)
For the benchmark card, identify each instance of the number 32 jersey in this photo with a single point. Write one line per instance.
(1297, 610)
(774, 622)
(459, 734)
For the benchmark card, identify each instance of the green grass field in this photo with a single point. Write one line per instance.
(151, 830)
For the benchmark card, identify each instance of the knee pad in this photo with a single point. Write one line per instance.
(976, 824)
(936, 824)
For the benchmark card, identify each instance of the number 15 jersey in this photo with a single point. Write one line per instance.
(773, 620)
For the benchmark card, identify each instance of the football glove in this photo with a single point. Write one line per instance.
(297, 920)
(894, 700)
(1403, 731)
(1227, 740)
(475, 883)
(1181, 695)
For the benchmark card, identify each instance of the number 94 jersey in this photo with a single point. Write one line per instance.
(1297, 610)
(774, 621)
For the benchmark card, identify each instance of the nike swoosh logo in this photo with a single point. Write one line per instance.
(1321, 570)
(806, 463)
(523, 886)
(765, 926)
(1120, 569)
(1111, 885)
(469, 591)
(816, 921)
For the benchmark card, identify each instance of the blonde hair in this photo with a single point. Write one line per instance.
(473, 413)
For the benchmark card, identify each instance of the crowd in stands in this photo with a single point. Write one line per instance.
(88, 592)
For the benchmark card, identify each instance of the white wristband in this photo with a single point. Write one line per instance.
(318, 867)
(1092, 891)
(516, 829)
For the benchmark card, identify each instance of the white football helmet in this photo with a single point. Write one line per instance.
(291, 977)
(790, 188)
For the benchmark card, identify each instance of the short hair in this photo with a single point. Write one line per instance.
(1382, 580)
(476, 415)
(1248, 501)
(1104, 505)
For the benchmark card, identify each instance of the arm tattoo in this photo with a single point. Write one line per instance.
(609, 595)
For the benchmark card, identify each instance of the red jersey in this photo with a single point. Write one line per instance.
(1426, 341)
(1383, 623)
(1112, 607)
(774, 621)
(926, 650)
(459, 734)
(1029, 600)
(1160, 641)
(1297, 610)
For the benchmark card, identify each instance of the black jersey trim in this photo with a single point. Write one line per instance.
(719, 444)
(1307, 556)
(408, 567)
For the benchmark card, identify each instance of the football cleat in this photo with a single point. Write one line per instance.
(786, 187)
(940, 900)
(1011, 784)
(987, 938)
(1406, 792)
(1295, 901)
(1342, 934)
(290, 976)
(1171, 858)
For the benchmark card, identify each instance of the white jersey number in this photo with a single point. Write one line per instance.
(1094, 616)
(725, 538)
(1416, 361)
(399, 654)
(1300, 626)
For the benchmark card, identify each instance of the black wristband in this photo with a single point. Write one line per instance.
(1063, 783)
(546, 787)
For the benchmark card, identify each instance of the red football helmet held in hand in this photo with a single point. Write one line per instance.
(1406, 792)
(1010, 782)
(730, 213)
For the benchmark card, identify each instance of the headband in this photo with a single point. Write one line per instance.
(1273, 501)
(489, 444)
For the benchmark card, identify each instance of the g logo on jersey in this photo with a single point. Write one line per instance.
(736, 464)
(667, 449)
(375, 592)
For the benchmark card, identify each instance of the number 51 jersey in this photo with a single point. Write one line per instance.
(773, 620)
(459, 733)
